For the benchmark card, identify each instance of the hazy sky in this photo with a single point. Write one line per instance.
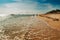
(27, 6)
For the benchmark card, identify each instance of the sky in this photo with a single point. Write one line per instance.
(27, 6)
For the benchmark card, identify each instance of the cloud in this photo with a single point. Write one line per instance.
(25, 7)
(15, 8)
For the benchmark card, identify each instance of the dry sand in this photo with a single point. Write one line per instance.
(53, 20)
